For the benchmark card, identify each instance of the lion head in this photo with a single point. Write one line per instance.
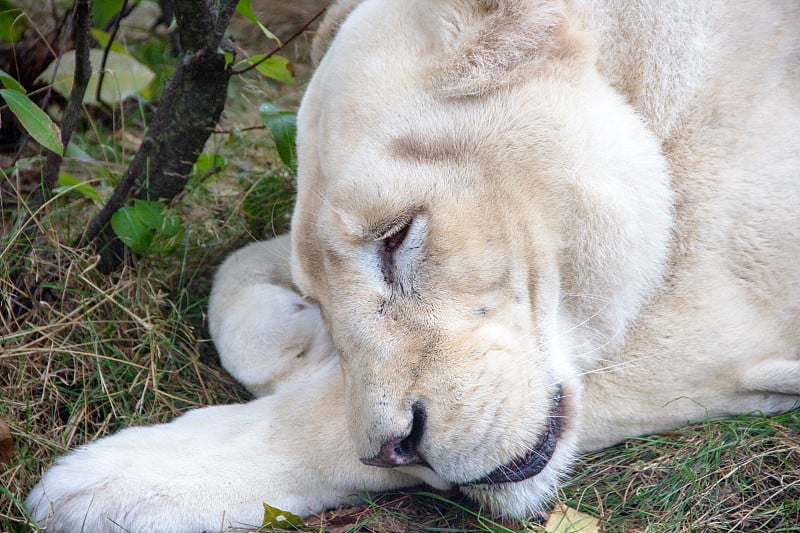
(480, 216)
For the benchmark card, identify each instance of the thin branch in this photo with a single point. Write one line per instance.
(112, 35)
(72, 112)
(28, 221)
(122, 14)
(294, 36)
(228, 132)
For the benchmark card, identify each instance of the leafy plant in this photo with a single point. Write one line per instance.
(33, 120)
(276, 67)
(208, 166)
(12, 22)
(282, 125)
(148, 227)
(68, 182)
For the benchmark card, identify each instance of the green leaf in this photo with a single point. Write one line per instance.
(227, 55)
(130, 229)
(209, 162)
(11, 83)
(104, 11)
(76, 152)
(283, 126)
(34, 120)
(172, 224)
(274, 517)
(150, 213)
(164, 242)
(244, 9)
(275, 67)
(125, 76)
(157, 216)
(103, 39)
(68, 182)
(148, 227)
(13, 22)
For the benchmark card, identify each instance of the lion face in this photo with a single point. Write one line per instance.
(471, 253)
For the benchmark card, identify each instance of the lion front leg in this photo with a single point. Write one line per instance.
(213, 467)
(263, 330)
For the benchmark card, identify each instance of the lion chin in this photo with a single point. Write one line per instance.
(523, 230)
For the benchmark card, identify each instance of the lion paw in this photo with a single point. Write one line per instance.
(263, 330)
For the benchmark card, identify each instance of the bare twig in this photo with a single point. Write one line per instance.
(115, 23)
(294, 36)
(228, 132)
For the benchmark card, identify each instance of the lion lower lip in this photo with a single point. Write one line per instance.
(537, 458)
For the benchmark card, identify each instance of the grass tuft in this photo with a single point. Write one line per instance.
(741, 474)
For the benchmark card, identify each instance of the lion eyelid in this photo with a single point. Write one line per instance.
(398, 245)
(309, 299)
(395, 235)
(389, 227)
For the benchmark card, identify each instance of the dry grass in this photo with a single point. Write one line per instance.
(85, 354)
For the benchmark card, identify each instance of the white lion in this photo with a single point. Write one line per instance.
(532, 228)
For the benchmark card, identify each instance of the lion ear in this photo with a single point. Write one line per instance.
(487, 44)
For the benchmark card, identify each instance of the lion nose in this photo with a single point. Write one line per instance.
(402, 450)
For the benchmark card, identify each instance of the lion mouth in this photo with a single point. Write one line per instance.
(534, 461)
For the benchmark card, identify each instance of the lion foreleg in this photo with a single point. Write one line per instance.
(213, 467)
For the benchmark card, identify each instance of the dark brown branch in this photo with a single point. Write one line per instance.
(202, 26)
(83, 71)
(121, 193)
(248, 128)
(21, 296)
(294, 36)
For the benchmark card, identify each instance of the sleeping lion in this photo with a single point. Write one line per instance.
(524, 230)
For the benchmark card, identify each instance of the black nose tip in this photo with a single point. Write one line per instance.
(403, 450)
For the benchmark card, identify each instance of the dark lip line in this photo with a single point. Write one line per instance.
(533, 462)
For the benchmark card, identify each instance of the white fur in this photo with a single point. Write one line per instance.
(264, 332)
(602, 196)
